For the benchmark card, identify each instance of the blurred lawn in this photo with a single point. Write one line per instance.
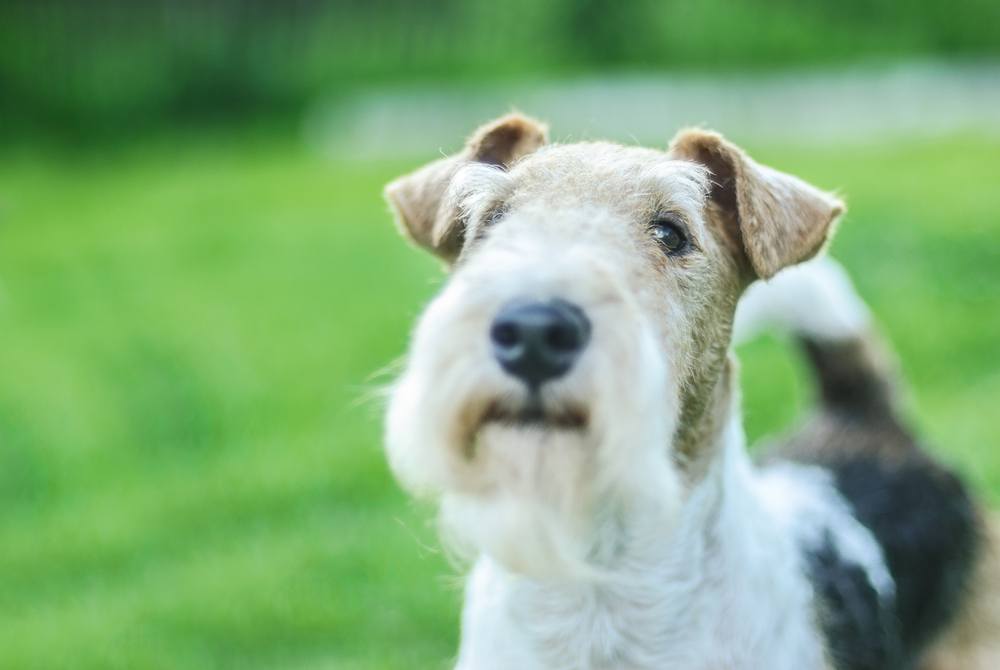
(190, 476)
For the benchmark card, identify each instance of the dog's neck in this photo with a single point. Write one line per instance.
(706, 410)
(723, 584)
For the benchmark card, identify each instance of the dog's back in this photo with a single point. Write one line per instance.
(920, 514)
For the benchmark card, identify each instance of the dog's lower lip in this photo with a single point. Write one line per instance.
(534, 415)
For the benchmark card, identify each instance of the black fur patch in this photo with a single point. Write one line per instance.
(927, 526)
(858, 625)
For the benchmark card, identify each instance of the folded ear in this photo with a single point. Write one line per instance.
(774, 218)
(425, 210)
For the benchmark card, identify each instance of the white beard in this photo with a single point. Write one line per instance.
(722, 588)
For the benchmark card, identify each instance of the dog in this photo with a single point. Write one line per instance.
(570, 399)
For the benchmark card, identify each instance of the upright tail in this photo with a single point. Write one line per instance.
(816, 303)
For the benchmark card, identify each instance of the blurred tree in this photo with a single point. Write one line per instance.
(603, 32)
(107, 65)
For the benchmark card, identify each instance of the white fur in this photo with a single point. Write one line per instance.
(805, 501)
(477, 188)
(815, 299)
(592, 553)
(724, 589)
(524, 495)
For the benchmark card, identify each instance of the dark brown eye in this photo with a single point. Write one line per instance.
(671, 236)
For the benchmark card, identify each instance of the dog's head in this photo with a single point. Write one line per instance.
(568, 371)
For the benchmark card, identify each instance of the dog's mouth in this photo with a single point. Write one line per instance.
(523, 419)
(535, 414)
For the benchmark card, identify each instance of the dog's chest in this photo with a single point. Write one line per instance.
(648, 625)
(598, 629)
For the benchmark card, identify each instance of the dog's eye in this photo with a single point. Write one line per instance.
(671, 235)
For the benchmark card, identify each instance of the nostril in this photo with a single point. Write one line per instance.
(505, 334)
(563, 337)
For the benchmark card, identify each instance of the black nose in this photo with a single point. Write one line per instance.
(539, 341)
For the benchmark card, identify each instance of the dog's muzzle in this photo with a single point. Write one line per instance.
(539, 341)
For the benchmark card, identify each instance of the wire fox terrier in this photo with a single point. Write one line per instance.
(570, 399)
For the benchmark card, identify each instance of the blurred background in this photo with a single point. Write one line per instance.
(200, 283)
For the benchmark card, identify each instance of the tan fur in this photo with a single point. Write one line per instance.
(710, 285)
(601, 198)
(651, 396)
(755, 221)
(781, 219)
(518, 219)
(422, 210)
(973, 643)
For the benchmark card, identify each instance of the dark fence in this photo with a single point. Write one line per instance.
(88, 65)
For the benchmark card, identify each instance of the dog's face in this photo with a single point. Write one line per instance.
(560, 378)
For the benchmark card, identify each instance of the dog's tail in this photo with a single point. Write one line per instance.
(816, 303)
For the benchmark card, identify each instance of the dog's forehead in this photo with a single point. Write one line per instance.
(606, 171)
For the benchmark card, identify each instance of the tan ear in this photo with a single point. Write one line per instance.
(420, 199)
(776, 219)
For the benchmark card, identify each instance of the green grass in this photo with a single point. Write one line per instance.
(190, 472)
